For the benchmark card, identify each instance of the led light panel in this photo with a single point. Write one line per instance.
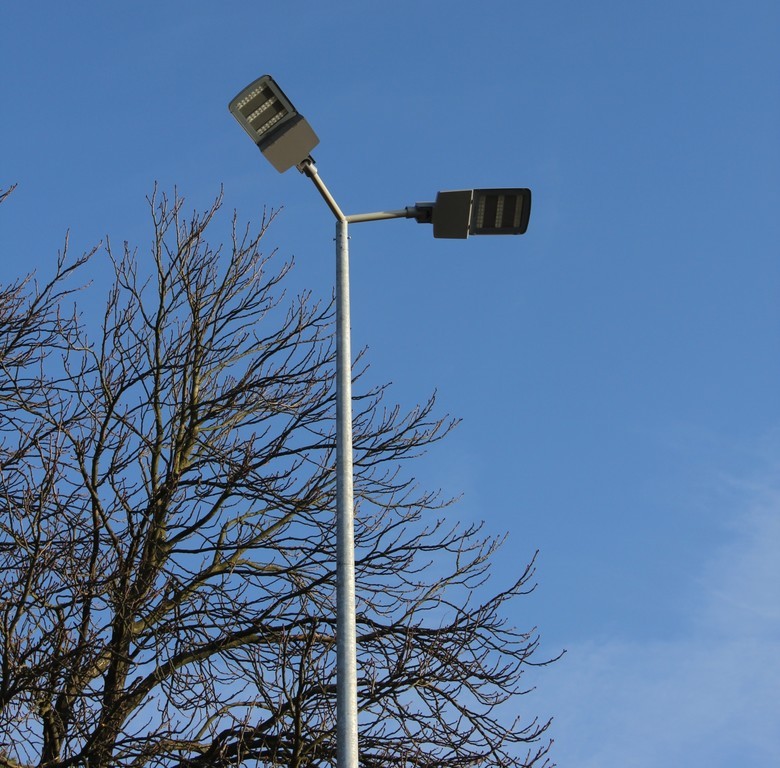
(501, 211)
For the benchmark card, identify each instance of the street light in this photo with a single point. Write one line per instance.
(274, 124)
(286, 139)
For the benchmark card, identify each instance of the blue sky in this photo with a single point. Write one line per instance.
(616, 368)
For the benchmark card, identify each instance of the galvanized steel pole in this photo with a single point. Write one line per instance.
(346, 655)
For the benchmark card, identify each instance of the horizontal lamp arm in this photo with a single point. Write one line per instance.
(419, 212)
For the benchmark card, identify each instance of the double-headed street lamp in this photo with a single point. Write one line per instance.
(286, 139)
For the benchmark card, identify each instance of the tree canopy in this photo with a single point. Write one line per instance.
(167, 546)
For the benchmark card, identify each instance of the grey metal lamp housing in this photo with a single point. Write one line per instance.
(464, 212)
(272, 122)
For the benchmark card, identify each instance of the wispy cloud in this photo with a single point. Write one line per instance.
(711, 696)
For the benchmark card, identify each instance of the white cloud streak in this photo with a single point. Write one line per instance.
(710, 696)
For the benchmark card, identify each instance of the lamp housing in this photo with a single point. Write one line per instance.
(272, 122)
(464, 212)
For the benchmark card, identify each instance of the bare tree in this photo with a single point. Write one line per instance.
(167, 536)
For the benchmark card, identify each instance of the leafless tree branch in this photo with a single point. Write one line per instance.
(167, 564)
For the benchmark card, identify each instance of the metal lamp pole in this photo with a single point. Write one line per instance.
(346, 640)
(346, 652)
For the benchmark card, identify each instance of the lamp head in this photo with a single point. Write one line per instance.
(273, 123)
(464, 212)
